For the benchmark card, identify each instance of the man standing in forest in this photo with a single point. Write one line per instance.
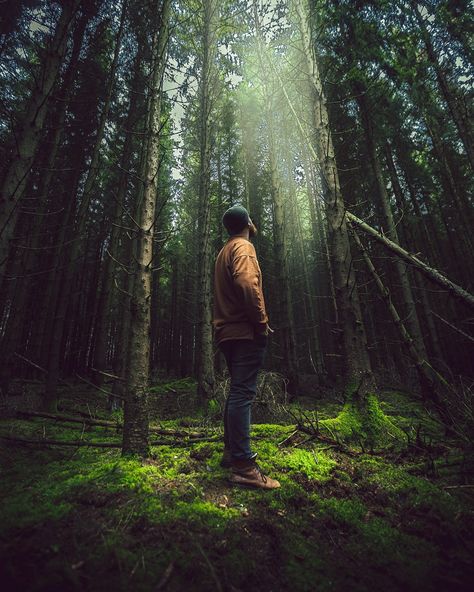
(241, 330)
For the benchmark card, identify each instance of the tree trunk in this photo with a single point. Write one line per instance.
(413, 245)
(109, 267)
(135, 433)
(280, 230)
(463, 211)
(359, 377)
(204, 344)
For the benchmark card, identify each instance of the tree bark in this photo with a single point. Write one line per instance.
(359, 376)
(136, 420)
(204, 345)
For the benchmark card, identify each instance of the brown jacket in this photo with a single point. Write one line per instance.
(239, 306)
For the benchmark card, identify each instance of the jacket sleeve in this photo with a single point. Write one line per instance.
(246, 276)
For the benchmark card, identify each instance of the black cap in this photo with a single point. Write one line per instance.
(235, 219)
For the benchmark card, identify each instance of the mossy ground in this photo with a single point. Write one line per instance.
(87, 519)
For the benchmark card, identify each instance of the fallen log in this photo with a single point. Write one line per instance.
(103, 423)
(49, 442)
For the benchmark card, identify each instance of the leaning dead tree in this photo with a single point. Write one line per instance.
(433, 385)
(432, 274)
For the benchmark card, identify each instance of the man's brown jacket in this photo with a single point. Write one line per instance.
(239, 306)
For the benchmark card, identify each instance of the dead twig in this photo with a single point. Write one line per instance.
(108, 374)
(165, 578)
(211, 567)
(315, 433)
(288, 438)
(101, 390)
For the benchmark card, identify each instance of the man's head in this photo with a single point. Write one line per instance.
(236, 220)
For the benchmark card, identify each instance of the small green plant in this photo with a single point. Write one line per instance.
(213, 408)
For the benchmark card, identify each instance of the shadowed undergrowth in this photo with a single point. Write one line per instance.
(87, 519)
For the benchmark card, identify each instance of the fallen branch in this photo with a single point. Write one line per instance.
(104, 423)
(101, 390)
(68, 418)
(166, 576)
(315, 434)
(108, 374)
(48, 442)
(431, 381)
(288, 439)
(460, 331)
(30, 362)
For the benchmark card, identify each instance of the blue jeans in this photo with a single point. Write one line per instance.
(244, 359)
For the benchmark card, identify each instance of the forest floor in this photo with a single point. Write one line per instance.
(82, 518)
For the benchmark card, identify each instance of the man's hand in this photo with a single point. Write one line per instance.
(268, 330)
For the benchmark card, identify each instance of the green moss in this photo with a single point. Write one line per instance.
(213, 407)
(366, 424)
(415, 493)
(348, 512)
(407, 557)
(313, 465)
(201, 512)
(271, 431)
(348, 523)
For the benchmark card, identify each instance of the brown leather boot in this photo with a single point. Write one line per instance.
(249, 474)
(226, 460)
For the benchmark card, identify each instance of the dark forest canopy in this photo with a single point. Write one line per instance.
(128, 128)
